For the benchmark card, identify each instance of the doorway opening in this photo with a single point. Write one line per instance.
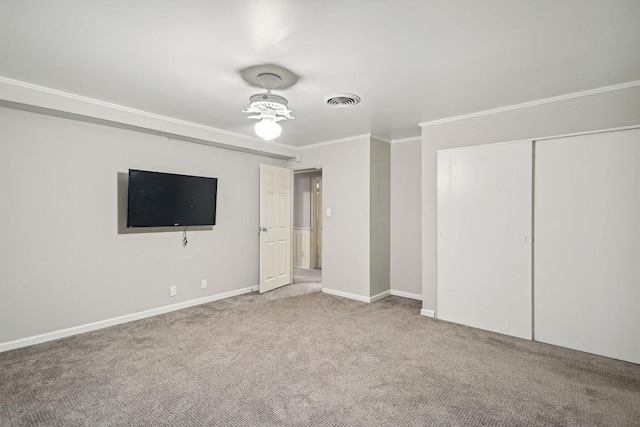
(307, 228)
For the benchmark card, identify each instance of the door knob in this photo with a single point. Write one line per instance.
(262, 229)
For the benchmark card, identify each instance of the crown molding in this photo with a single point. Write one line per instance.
(43, 100)
(87, 100)
(381, 139)
(279, 144)
(403, 140)
(532, 103)
(333, 142)
(588, 132)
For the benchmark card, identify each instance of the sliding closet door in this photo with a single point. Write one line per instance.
(587, 247)
(484, 237)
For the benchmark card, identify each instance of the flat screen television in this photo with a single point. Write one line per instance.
(158, 199)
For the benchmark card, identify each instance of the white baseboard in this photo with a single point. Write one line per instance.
(376, 297)
(406, 295)
(345, 295)
(428, 313)
(50, 336)
(380, 296)
(356, 297)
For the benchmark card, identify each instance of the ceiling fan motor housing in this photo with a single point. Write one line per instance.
(268, 101)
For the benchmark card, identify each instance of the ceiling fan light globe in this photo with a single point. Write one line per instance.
(268, 129)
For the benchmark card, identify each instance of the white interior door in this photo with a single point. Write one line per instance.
(275, 227)
(484, 237)
(587, 249)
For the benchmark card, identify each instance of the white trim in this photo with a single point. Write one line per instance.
(403, 140)
(43, 100)
(428, 313)
(340, 141)
(123, 108)
(588, 132)
(406, 294)
(543, 138)
(532, 103)
(50, 336)
(380, 296)
(281, 145)
(345, 295)
(491, 144)
(211, 143)
(357, 297)
(381, 139)
(308, 169)
(336, 141)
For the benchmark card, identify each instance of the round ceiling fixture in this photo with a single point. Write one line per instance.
(252, 74)
(342, 100)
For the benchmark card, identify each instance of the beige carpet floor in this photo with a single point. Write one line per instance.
(306, 275)
(310, 359)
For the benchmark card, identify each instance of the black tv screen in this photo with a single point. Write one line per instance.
(158, 199)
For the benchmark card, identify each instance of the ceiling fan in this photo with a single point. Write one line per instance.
(271, 108)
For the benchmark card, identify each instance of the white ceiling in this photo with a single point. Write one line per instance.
(410, 61)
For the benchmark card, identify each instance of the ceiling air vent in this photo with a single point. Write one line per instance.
(342, 100)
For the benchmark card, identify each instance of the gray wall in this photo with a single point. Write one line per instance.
(406, 219)
(64, 263)
(346, 234)
(380, 178)
(356, 238)
(600, 111)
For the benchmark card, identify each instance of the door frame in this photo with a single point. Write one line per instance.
(299, 171)
(316, 222)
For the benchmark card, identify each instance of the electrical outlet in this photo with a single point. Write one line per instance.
(173, 290)
(204, 283)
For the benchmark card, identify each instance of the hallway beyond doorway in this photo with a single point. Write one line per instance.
(307, 275)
